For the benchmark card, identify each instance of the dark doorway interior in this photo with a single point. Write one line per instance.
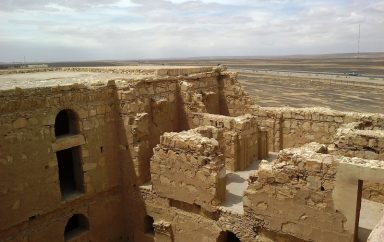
(70, 172)
(228, 236)
(66, 123)
(76, 225)
(148, 225)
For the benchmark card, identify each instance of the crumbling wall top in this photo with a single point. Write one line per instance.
(45, 77)
(192, 141)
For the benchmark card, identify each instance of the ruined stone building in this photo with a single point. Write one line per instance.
(180, 154)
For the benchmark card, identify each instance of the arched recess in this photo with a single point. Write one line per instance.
(227, 236)
(71, 175)
(77, 225)
(66, 122)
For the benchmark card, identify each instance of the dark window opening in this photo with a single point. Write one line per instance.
(228, 236)
(76, 225)
(70, 172)
(148, 225)
(66, 123)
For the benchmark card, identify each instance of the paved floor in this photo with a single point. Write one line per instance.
(236, 185)
(370, 215)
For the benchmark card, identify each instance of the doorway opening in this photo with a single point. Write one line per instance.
(75, 226)
(70, 172)
(66, 123)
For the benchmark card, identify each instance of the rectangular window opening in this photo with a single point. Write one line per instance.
(70, 172)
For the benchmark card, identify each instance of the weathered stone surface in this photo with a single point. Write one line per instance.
(155, 141)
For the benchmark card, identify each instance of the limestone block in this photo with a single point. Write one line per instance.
(20, 123)
(189, 167)
(68, 141)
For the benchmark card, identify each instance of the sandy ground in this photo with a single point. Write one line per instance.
(276, 91)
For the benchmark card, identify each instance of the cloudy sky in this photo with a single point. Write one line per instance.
(61, 30)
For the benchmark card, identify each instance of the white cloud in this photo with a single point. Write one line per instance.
(102, 29)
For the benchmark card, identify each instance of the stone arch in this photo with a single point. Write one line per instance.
(66, 122)
(75, 226)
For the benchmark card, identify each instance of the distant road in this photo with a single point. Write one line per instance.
(361, 78)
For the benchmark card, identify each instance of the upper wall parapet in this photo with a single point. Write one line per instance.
(148, 70)
(360, 139)
(293, 194)
(293, 127)
(89, 76)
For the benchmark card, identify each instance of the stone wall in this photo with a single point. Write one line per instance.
(220, 94)
(294, 127)
(364, 140)
(359, 139)
(293, 195)
(132, 131)
(242, 142)
(120, 122)
(234, 101)
(189, 167)
(193, 223)
(147, 109)
(32, 206)
(152, 106)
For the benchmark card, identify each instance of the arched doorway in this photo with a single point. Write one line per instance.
(66, 122)
(76, 225)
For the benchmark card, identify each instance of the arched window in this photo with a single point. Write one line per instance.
(66, 123)
(76, 225)
(228, 236)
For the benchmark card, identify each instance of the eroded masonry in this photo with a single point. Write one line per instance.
(180, 154)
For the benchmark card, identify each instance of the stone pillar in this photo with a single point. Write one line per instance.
(163, 231)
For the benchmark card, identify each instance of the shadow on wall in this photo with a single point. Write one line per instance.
(227, 236)
(134, 206)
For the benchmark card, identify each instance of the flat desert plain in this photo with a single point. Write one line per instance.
(344, 82)
(338, 81)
